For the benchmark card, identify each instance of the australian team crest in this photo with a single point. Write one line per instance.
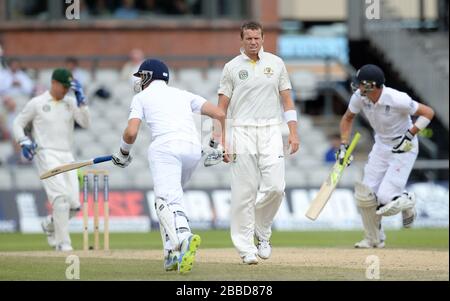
(46, 108)
(268, 72)
(243, 74)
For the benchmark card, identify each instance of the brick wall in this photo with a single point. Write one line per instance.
(156, 38)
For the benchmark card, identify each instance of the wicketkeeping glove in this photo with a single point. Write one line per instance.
(121, 160)
(340, 154)
(28, 148)
(79, 93)
(405, 144)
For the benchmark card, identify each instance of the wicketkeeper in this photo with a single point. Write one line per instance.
(52, 116)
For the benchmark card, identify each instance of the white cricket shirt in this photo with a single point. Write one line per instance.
(390, 116)
(168, 111)
(254, 89)
(52, 121)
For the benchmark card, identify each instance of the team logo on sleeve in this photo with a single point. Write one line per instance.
(268, 72)
(243, 74)
(387, 110)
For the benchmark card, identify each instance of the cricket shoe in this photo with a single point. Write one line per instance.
(188, 250)
(171, 261)
(64, 248)
(250, 259)
(408, 217)
(401, 203)
(47, 228)
(264, 249)
(368, 244)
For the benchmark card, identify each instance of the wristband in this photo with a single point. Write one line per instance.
(290, 115)
(422, 122)
(125, 146)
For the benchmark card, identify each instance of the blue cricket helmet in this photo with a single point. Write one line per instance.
(370, 76)
(152, 69)
(371, 73)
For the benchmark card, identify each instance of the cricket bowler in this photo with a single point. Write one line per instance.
(254, 88)
(382, 190)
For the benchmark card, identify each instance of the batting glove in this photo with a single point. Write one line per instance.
(213, 144)
(340, 155)
(79, 93)
(28, 148)
(121, 160)
(214, 154)
(405, 144)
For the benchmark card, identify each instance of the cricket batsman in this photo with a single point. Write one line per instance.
(381, 192)
(173, 155)
(52, 117)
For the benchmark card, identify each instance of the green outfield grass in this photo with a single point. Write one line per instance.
(411, 238)
(422, 254)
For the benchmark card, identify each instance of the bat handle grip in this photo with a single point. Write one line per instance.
(102, 159)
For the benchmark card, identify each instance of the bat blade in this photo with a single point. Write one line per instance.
(324, 194)
(74, 165)
(327, 188)
(64, 168)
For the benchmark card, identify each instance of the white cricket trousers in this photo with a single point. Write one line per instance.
(172, 164)
(62, 191)
(65, 184)
(259, 167)
(387, 173)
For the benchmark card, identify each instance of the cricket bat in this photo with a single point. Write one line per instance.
(327, 188)
(73, 165)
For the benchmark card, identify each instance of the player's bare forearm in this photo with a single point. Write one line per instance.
(346, 126)
(212, 111)
(223, 105)
(287, 101)
(131, 132)
(292, 125)
(424, 111)
(288, 105)
(293, 139)
(218, 117)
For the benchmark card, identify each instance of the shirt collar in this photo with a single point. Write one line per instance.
(157, 83)
(260, 54)
(381, 99)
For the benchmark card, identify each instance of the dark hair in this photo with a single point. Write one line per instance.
(253, 26)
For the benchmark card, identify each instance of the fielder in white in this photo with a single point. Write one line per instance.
(251, 88)
(52, 116)
(391, 160)
(173, 155)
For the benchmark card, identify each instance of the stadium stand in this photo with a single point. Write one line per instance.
(109, 117)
